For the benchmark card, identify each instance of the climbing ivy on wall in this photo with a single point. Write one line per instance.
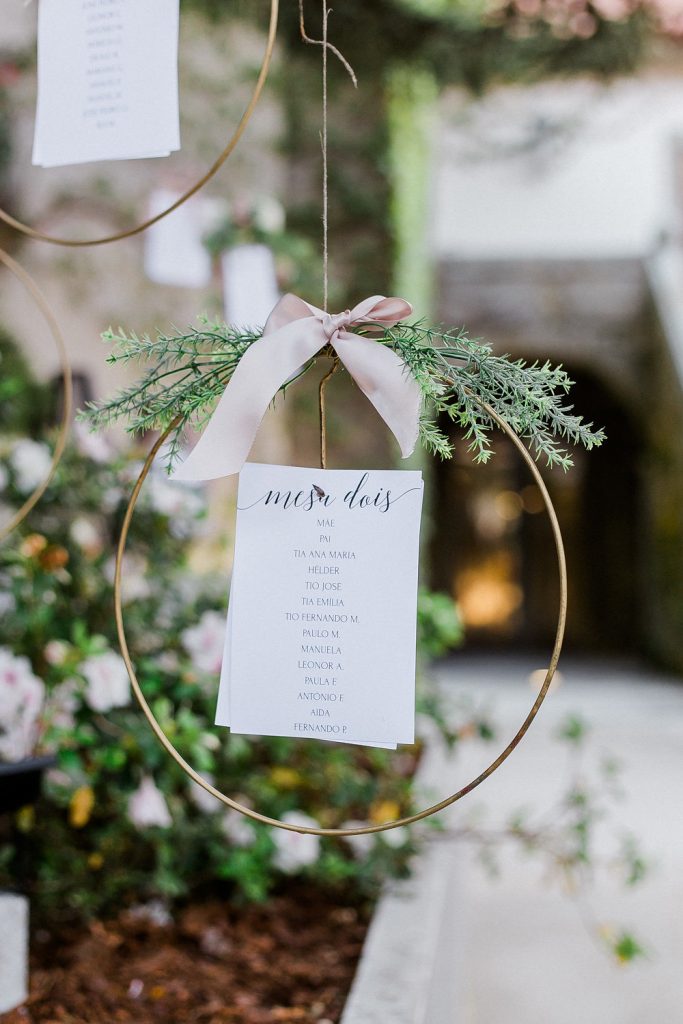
(446, 41)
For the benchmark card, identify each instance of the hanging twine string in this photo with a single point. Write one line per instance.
(326, 46)
(325, 43)
(326, 178)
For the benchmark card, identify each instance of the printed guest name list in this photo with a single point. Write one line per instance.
(107, 80)
(321, 632)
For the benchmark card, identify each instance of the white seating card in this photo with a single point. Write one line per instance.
(174, 250)
(107, 80)
(323, 603)
(249, 285)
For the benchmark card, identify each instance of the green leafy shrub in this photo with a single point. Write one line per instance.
(21, 399)
(119, 822)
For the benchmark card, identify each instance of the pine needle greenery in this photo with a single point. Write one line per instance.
(188, 372)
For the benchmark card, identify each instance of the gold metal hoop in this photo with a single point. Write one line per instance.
(369, 829)
(67, 403)
(75, 243)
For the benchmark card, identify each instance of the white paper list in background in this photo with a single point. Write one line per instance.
(321, 628)
(250, 288)
(107, 80)
(175, 253)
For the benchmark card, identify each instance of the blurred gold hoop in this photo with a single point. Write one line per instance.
(369, 829)
(67, 404)
(76, 243)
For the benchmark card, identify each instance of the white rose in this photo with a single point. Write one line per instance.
(396, 837)
(85, 533)
(134, 584)
(205, 642)
(295, 850)
(269, 215)
(179, 502)
(93, 445)
(172, 498)
(203, 799)
(108, 685)
(361, 846)
(111, 497)
(7, 603)
(236, 828)
(14, 745)
(31, 461)
(147, 806)
(21, 700)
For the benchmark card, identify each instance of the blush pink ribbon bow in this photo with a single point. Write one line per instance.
(294, 333)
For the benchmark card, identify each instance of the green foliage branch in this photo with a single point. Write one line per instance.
(458, 377)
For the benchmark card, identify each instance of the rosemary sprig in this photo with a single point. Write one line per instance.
(454, 371)
(189, 372)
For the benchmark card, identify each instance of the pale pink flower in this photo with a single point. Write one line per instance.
(670, 15)
(205, 642)
(56, 652)
(62, 705)
(147, 807)
(108, 685)
(21, 700)
(613, 10)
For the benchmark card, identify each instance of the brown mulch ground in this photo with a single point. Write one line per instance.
(290, 961)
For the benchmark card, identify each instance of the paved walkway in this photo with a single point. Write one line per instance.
(525, 955)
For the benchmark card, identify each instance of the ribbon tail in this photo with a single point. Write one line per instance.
(387, 382)
(226, 442)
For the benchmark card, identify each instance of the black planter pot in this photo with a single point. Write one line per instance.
(21, 781)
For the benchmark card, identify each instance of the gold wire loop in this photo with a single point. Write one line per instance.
(67, 401)
(75, 243)
(368, 829)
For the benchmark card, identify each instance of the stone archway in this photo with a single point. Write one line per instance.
(493, 548)
(622, 506)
